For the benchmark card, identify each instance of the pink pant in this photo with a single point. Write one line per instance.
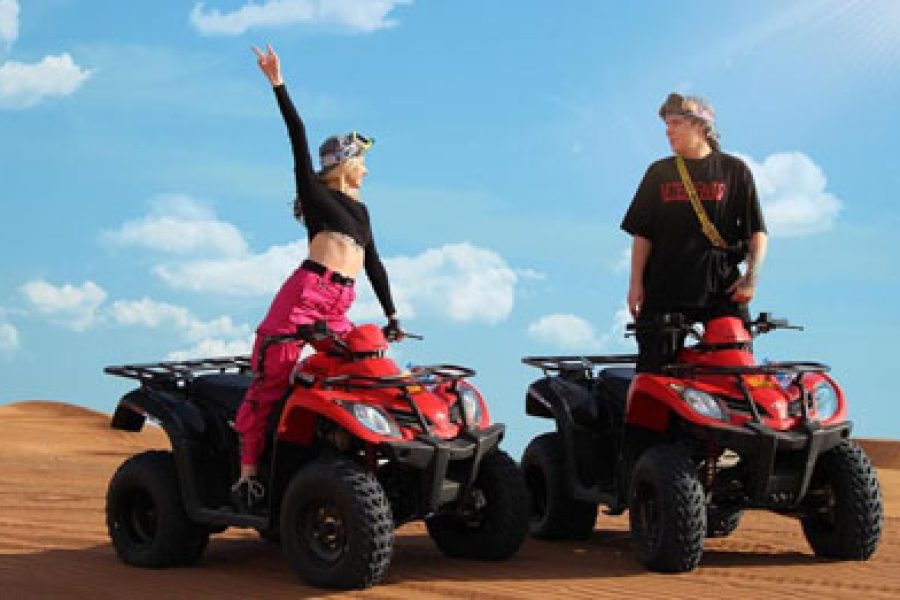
(303, 299)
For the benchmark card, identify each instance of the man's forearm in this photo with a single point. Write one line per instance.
(640, 251)
(756, 255)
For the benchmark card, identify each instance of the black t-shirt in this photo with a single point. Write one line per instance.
(684, 270)
(325, 209)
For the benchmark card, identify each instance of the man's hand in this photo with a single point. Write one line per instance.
(743, 290)
(635, 299)
(268, 64)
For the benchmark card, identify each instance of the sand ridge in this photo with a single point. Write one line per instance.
(56, 460)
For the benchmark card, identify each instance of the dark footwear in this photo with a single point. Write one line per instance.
(249, 495)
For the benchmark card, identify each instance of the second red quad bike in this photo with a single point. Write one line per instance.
(356, 449)
(687, 450)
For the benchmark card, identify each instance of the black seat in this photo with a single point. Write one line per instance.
(224, 389)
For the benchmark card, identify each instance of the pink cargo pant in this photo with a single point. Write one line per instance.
(304, 298)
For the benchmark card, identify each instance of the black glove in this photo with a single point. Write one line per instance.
(392, 331)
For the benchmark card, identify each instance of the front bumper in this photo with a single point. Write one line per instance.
(777, 465)
(434, 458)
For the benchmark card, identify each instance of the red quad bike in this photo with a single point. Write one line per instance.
(687, 450)
(357, 448)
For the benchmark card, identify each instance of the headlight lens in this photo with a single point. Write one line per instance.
(373, 419)
(826, 400)
(470, 404)
(701, 402)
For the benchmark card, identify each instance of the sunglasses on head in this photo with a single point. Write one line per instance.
(355, 137)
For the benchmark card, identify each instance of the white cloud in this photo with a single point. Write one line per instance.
(250, 275)
(212, 348)
(566, 331)
(353, 15)
(218, 337)
(71, 306)
(9, 22)
(9, 337)
(570, 332)
(793, 196)
(153, 314)
(178, 224)
(461, 282)
(23, 85)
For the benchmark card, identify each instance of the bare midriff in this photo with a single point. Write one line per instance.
(337, 251)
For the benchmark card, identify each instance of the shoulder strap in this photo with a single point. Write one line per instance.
(709, 230)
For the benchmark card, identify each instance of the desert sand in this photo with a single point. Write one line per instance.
(56, 460)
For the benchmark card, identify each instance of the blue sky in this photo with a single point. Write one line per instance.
(146, 175)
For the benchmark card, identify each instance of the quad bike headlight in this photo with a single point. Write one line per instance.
(470, 403)
(374, 420)
(826, 399)
(701, 402)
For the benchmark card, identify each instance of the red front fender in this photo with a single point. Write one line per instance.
(298, 420)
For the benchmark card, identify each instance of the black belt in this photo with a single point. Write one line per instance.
(320, 269)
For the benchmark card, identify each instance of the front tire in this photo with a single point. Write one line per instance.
(145, 514)
(846, 513)
(667, 510)
(553, 514)
(494, 530)
(336, 525)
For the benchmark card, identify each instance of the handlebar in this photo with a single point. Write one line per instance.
(677, 323)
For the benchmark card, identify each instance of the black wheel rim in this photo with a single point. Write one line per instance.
(537, 491)
(139, 517)
(324, 532)
(647, 517)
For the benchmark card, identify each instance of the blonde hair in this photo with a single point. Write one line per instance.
(335, 177)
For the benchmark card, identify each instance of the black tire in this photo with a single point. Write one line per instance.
(145, 514)
(336, 525)
(667, 510)
(553, 514)
(721, 522)
(846, 513)
(494, 530)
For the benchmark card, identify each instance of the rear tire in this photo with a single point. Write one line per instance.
(553, 514)
(667, 510)
(145, 514)
(846, 513)
(336, 525)
(495, 530)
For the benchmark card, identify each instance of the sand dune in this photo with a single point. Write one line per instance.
(56, 460)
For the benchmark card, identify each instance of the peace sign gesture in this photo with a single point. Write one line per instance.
(268, 64)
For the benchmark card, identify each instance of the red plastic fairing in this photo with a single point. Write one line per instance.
(725, 330)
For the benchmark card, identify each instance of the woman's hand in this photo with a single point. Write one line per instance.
(268, 64)
(392, 331)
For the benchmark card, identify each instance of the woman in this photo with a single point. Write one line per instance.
(679, 263)
(321, 289)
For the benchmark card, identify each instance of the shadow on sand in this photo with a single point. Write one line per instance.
(250, 567)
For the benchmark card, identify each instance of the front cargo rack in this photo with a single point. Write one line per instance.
(180, 372)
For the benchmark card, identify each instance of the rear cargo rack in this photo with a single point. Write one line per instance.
(180, 371)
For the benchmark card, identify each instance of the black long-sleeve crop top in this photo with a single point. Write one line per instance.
(325, 209)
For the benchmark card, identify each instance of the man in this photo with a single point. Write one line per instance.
(685, 253)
